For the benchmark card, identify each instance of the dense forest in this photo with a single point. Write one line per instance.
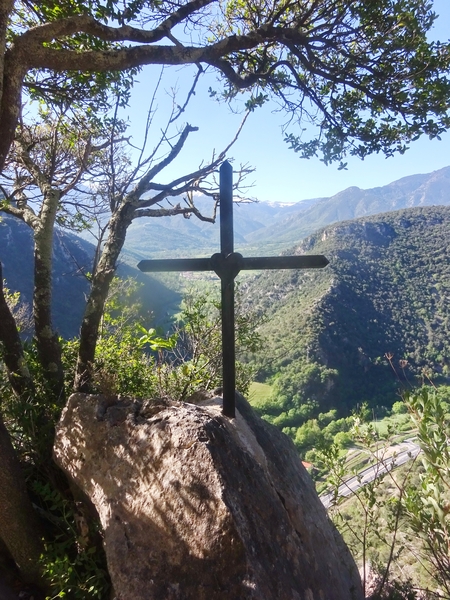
(330, 336)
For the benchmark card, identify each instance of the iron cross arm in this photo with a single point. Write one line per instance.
(234, 262)
(227, 264)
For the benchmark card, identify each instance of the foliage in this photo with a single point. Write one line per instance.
(196, 360)
(399, 408)
(121, 364)
(351, 69)
(427, 506)
(31, 418)
(134, 359)
(89, 91)
(396, 524)
(297, 390)
(331, 335)
(73, 563)
(369, 521)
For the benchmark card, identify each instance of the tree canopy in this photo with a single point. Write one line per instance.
(363, 72)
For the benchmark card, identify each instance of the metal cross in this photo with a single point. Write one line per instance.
(227, 265)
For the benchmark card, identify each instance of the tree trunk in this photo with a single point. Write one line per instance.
(101, 281)
(6, 7)
(20, 528)
(47, 343)
(11, 348)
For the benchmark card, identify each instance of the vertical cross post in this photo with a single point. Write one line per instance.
(227, 288)
(226, 264)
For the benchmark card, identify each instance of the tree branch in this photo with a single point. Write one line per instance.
(25, 214)
(10, 102)
(144, 183)
(171, 212)
(89, 25)
(191, 92)
(190, 181)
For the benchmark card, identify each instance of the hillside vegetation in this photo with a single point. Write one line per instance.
(72, 263)
(331, 335)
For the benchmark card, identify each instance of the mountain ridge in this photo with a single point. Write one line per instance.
(353, 202)
(328, 333)
(173, 237)
(271, 227)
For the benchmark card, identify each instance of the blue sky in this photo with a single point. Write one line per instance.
(280, 175)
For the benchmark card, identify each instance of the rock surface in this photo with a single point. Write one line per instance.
(196, 506)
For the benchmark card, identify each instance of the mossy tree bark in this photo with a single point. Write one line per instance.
(101, 281)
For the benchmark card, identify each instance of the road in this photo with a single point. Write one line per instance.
(407, 451)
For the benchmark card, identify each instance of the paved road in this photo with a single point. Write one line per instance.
(409, 450)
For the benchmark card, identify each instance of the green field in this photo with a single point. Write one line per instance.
(258, 393)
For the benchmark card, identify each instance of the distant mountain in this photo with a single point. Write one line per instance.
(178, 236)
(260, 228)
(72, 257)
(417, 190)
(269, 228)
(386, 292)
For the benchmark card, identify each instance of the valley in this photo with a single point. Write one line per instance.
(263, 228)
(326, 335)
(325, 349)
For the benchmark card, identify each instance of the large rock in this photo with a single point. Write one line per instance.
(197, 506)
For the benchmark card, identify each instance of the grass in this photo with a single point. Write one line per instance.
(259, 393)
(399, 423)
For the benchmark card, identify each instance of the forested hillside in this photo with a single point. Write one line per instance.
(328, 333)
(72, 261)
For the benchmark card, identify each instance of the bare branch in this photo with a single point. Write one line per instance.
(191, 92)
(190, 181)
(145, 182)
(171, 212)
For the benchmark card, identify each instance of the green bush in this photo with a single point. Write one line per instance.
(343, 439)
(308, 435)
(427, 505)
(399, 408)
